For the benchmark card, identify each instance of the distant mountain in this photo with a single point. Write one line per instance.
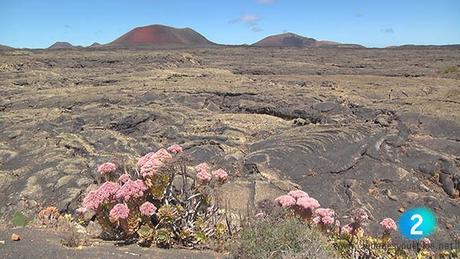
(160, 35)
(61, 45)
(413, 46)
(295, 40)
(95, 45)
(286, 40)
(4, 47)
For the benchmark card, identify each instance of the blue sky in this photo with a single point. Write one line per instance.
(373, 23)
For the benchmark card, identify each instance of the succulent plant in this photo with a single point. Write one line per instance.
(163, 237)
(157, 185)
(146, 232)
(220, 229)
(145, 203)
(167, 213)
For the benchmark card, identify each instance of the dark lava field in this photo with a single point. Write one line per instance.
(372, 128)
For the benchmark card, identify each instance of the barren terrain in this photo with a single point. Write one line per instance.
(372, 128)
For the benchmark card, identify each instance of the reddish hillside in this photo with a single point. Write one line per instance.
(285, 40)
(160, 35)
(61, 45)
(95, 45)
(294, 40)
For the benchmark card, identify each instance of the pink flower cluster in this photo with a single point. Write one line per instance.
(175, 149)
(308, 208)
(307, 203)
(360, 216)
(203, 176)
(107, 190)
(425, 242)
(151, 167)
(388, 224)
(107, 168)
(322, 213)
(285, 201)
(147, 209)
(151, 163)
(324, 216)
(296, 194)
(124, 178)
(347, 229)
(131, 189)
(162, 155)
(119, 211)
(220, 175)
(111, 190)
(202, 167)
(81, 211)
(297, 199)
(94, 199)
(141, 162)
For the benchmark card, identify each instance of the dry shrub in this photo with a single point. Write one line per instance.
(288, 238)
(72, 236)
(48, 217)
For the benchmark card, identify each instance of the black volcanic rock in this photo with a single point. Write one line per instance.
(262, 114)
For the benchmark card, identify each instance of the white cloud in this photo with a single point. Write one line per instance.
(266, 1)
(250, 20)
(387, 30)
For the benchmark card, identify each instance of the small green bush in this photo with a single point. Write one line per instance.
(450, 69)
(19, 220)
(289, 238)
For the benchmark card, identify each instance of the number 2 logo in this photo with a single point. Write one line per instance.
(413, 229)
(417, 223)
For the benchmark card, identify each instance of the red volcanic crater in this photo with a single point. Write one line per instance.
(160, 35)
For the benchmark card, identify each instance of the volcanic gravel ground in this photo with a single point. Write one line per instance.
(371, 128)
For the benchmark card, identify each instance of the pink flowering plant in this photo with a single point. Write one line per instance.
(107, 168)
(388, 225)
(162, 201)
(295, 225)
(349, 239)
(299, 202)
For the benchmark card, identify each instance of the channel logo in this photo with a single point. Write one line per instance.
(417, 223)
